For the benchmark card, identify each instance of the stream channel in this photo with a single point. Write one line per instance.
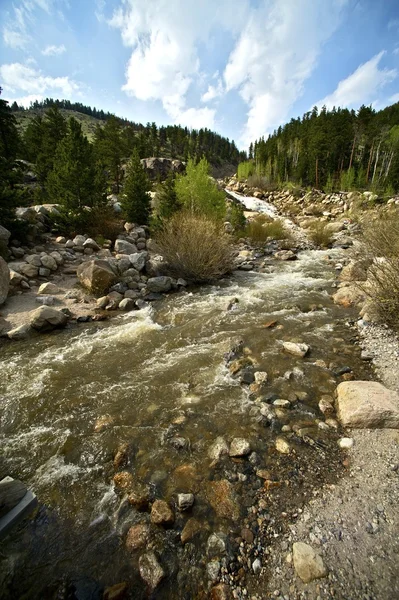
(160, 379)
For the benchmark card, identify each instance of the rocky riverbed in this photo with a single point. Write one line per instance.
(192, 448)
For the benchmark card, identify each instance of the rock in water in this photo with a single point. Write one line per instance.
(96, 275)
(365, 404)
(308, 564)
(150, 570)
(161, 513)
(137, 536)
(46, 318)
(221, 497)
(4, 280)
(240, 447)
(300, 350)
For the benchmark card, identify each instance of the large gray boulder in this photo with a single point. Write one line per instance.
(4, 236)
(160, 167)
(96, 275)
(46, 318)
(367, 404)
(159, 284)
(124, 247)
(138, 260)
(4, 280)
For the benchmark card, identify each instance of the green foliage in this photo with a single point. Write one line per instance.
(328, 188)
(389, 191)
(245, 169)
(110, 149)
(49, 132)
(72, 182)
(136, 202)
(347, 180)
(99, 222)
(198, 192)
(195, 247)
(237, 217)
(263, 229)
(320, 235)
(166, 198)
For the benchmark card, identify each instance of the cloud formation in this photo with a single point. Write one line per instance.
(54, 50)
(18, 78)
(362, 86)
(17, 26)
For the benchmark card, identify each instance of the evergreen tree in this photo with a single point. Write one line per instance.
(198, 192)
(54, 130)
(110, 149)
(72, 182)
(167, 200)
(10, 194)
(136, 201)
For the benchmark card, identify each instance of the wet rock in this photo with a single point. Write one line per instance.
(185, 501)
(235, 352)
(123, 481)
(213, 570)
(260, 377)
(220, 592)
(102, 302)
(46, 318)
(280, 403)
(116, 592)
(216, 545)
(365, 404)
(127, 304)
(191, 529)
(102, 423)
(20, 333)
(239, 447)
(48, 289)
(326, 405)
(349, 296)
(121, 458)
(137, 536)
(295, 349)
(285, 255)
(180, 443)
(307, 563)
(219, 448)
(139, 498)
(159, 284)
(256, 566)
(282, 446)
(96, 275)
(150, 570)
(221, 497)
(124, 247)
(4, 280)
(161, 513)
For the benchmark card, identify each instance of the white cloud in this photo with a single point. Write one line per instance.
(15, 30)
(26, 100)
(213, 92)
(17, 78)
(164, 61)
(393, 99)
(54, 50)
(275, 55)
(362, 86)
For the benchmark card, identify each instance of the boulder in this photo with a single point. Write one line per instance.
(221, 497)
(57, 257)
(296, 349)
(28, 270)
(159, 284)
(219, 448)
(4, 236)
(138, 260)
(367, 404)
(285, 255)
(96, 275)
(79, 240)
(349, 296)
(4, 280)
(20, 333)
(307, 563)
(127, 304)
(49, 262)
(33, 259)
(150, 570)
(137, 536)
(90, 243)
(356, 270)
(124, 247)
(48, 289)
(46, 318)
(158, 168)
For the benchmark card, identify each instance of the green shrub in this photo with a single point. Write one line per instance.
(198, 193)
(263, 228)
(319, 234)
(195, 247)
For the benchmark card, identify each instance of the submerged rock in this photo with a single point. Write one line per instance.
(137, 536)
(222, 498)
(150, 570)
(191, 529)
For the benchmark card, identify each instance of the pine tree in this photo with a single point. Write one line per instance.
(136, 202)
(110, 149)
(54, 130)
(168, 203)
(72, 181)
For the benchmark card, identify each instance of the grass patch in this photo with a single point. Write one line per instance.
(319, 234)
(263, 229)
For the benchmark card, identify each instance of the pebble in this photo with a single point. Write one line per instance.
(345, 443)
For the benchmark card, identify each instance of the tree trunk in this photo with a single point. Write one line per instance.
(317, 173)
(353, 150)
(376, 161)
(370, 161)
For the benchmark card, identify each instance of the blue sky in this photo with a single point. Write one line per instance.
(240, 67)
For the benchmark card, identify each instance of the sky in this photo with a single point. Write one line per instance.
(238, 67)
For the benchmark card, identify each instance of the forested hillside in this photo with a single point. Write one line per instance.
(172, 141)
(332, 149)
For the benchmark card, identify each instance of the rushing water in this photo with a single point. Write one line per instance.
(158, 374)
